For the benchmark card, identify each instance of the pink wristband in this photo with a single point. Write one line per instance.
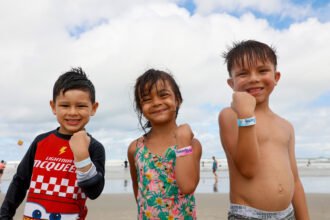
(183, 151)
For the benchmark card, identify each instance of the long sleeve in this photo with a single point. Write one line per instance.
(93, 187)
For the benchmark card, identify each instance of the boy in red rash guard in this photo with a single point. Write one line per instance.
(65, 166)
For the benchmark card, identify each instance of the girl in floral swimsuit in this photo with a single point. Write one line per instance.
(164, 162)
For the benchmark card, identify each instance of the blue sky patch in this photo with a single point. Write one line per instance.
(189, 5)
(77, 30)
(211, 108)
(320, 9)
(313, 3)
(322, 101)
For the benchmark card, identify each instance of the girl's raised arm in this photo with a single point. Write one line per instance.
(189, 152)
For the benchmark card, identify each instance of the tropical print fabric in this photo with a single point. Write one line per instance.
(158, 194)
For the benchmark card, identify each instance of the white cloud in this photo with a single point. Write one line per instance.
(283, 8)
(36, 47)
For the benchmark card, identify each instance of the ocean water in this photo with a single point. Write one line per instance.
(314, 177)
(312, 184)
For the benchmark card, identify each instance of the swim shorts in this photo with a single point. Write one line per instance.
(241, 212)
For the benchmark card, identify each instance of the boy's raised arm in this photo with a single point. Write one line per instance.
(240, 142)
(83, 147)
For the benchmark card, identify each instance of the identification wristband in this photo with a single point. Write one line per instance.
(83, 163)
(183, 151)
(244, 122)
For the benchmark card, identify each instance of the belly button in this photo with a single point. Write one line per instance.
(280, 188)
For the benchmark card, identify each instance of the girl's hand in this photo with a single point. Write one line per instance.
(243, 104)
(79, 144)
(184, 135)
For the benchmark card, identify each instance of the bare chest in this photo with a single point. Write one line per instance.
(275, 135)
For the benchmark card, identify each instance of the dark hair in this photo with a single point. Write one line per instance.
(145, 83)
(248, 53)
(75, 78)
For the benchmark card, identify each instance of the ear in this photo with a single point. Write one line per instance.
(94, 108)
(52, 106)
(277, 77)
(178, 104)
(230, 82)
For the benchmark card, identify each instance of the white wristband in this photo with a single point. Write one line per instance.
(83, 163)
(244, 122)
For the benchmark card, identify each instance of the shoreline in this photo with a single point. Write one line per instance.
(118, 180)
(209, 206)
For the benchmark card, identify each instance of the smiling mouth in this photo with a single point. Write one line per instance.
(73, 121)
(254, 91)
(159, 111)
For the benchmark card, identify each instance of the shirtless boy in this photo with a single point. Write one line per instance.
(259, 144)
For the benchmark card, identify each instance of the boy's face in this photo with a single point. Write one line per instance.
(73, 110)
(258, 80)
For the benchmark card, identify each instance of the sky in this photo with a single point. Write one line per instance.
(115, 41)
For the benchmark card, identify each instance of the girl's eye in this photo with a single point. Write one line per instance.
(146, 99)
(163, 94)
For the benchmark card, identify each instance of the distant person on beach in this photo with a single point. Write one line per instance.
(215, 168)
(259, 144)
(165, 161)
(65, 166)
(2, 169)
(125, 163)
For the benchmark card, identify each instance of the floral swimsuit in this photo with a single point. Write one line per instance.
(159, 196)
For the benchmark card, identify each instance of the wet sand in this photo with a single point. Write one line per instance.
(209, 206)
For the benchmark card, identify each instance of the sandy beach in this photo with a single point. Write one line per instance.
(209, 207)
(117, 201)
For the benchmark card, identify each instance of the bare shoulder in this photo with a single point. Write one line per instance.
(227, 121)
(226, 116)
(226, 112)
(132, 147)
(284, 123)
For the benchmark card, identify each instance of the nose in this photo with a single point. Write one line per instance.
(254, 77)
(72, 110)
(156, 101)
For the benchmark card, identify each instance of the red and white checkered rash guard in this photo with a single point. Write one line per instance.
(53, 191)
(54, 182)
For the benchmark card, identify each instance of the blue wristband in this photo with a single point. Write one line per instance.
(244, 122)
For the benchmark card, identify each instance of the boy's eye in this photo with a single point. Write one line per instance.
(241, 74)
(263, 70)
(64, 105)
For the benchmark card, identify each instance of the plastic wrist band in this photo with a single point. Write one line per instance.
(83, 163)
(244, 122)
(183, 151)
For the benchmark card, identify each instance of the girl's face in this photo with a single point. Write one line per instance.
(159, 104)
